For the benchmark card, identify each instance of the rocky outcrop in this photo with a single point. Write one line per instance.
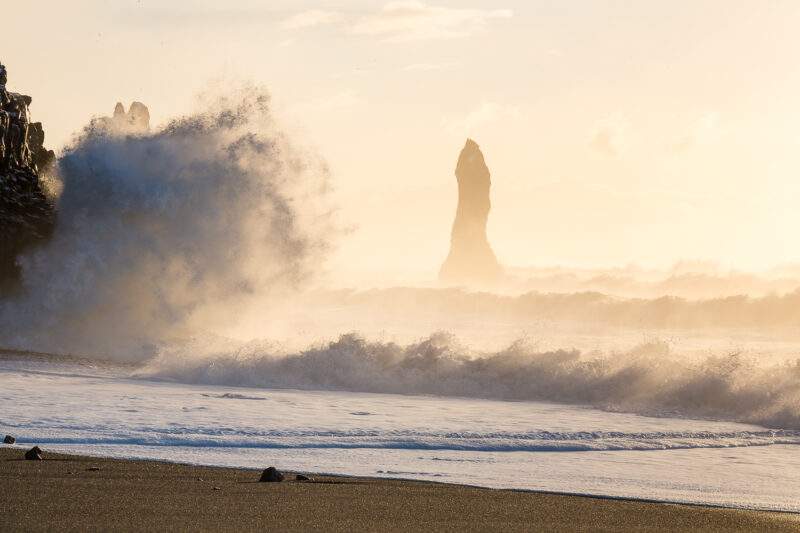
(9, 440)
(26, 214)
(471, 261)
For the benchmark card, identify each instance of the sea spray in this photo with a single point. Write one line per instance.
(159, 233)
(164, 238)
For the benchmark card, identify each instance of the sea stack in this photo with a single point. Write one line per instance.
(471, 261)
(26, 214)
(136, 120)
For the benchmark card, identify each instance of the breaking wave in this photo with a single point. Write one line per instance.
(648, 379)
(166, 235)
(159, 232)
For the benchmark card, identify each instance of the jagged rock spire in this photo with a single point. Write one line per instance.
(135, 121)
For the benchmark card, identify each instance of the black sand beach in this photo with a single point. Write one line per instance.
(66, 493)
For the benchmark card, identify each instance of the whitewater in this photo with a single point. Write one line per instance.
(100, 409)
(178, 313)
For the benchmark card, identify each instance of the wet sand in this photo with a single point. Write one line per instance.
(66, 493)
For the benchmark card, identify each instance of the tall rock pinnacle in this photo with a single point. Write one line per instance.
(26, 215)
(471, 261)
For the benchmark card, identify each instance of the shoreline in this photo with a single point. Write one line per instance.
(27, 445)
(410, 480)
(62, 493)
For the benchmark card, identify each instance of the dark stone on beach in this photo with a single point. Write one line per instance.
(34, 454)
(271, 475)
(216, 488)
(93, 468)
(9, 440)
(301, 477)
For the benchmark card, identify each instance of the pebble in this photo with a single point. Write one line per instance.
(271, 474)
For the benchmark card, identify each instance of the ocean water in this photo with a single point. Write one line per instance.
(187, 267)
(109, 410)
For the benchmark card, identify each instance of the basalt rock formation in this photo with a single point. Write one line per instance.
(136, 120)
(471, 261)
(26, 214)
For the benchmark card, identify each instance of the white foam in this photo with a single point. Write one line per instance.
(648, 379)
(504, 444)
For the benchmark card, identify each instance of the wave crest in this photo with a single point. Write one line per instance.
(648, 379)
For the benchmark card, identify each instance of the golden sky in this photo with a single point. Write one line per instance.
(616, 132)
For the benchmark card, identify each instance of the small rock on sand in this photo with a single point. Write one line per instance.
(34, 454)
(93, 468)
(271, 474)
(9, 440)
(301, 477)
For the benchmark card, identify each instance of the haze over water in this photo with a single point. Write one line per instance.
(284, 235)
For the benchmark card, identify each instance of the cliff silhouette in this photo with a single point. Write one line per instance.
(26, 214)
(471, 261)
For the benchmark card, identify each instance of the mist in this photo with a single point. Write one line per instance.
(161, 234)
(198, 252)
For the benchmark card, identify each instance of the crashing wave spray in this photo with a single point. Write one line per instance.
(159, 232)
(649, 379)
(161, 235)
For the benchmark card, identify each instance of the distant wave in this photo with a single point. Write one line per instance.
(588, 307)
(688, 279)
(648, 379)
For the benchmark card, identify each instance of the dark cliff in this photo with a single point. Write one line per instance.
(26, 214)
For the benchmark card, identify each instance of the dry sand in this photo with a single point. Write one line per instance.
(63, 493)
